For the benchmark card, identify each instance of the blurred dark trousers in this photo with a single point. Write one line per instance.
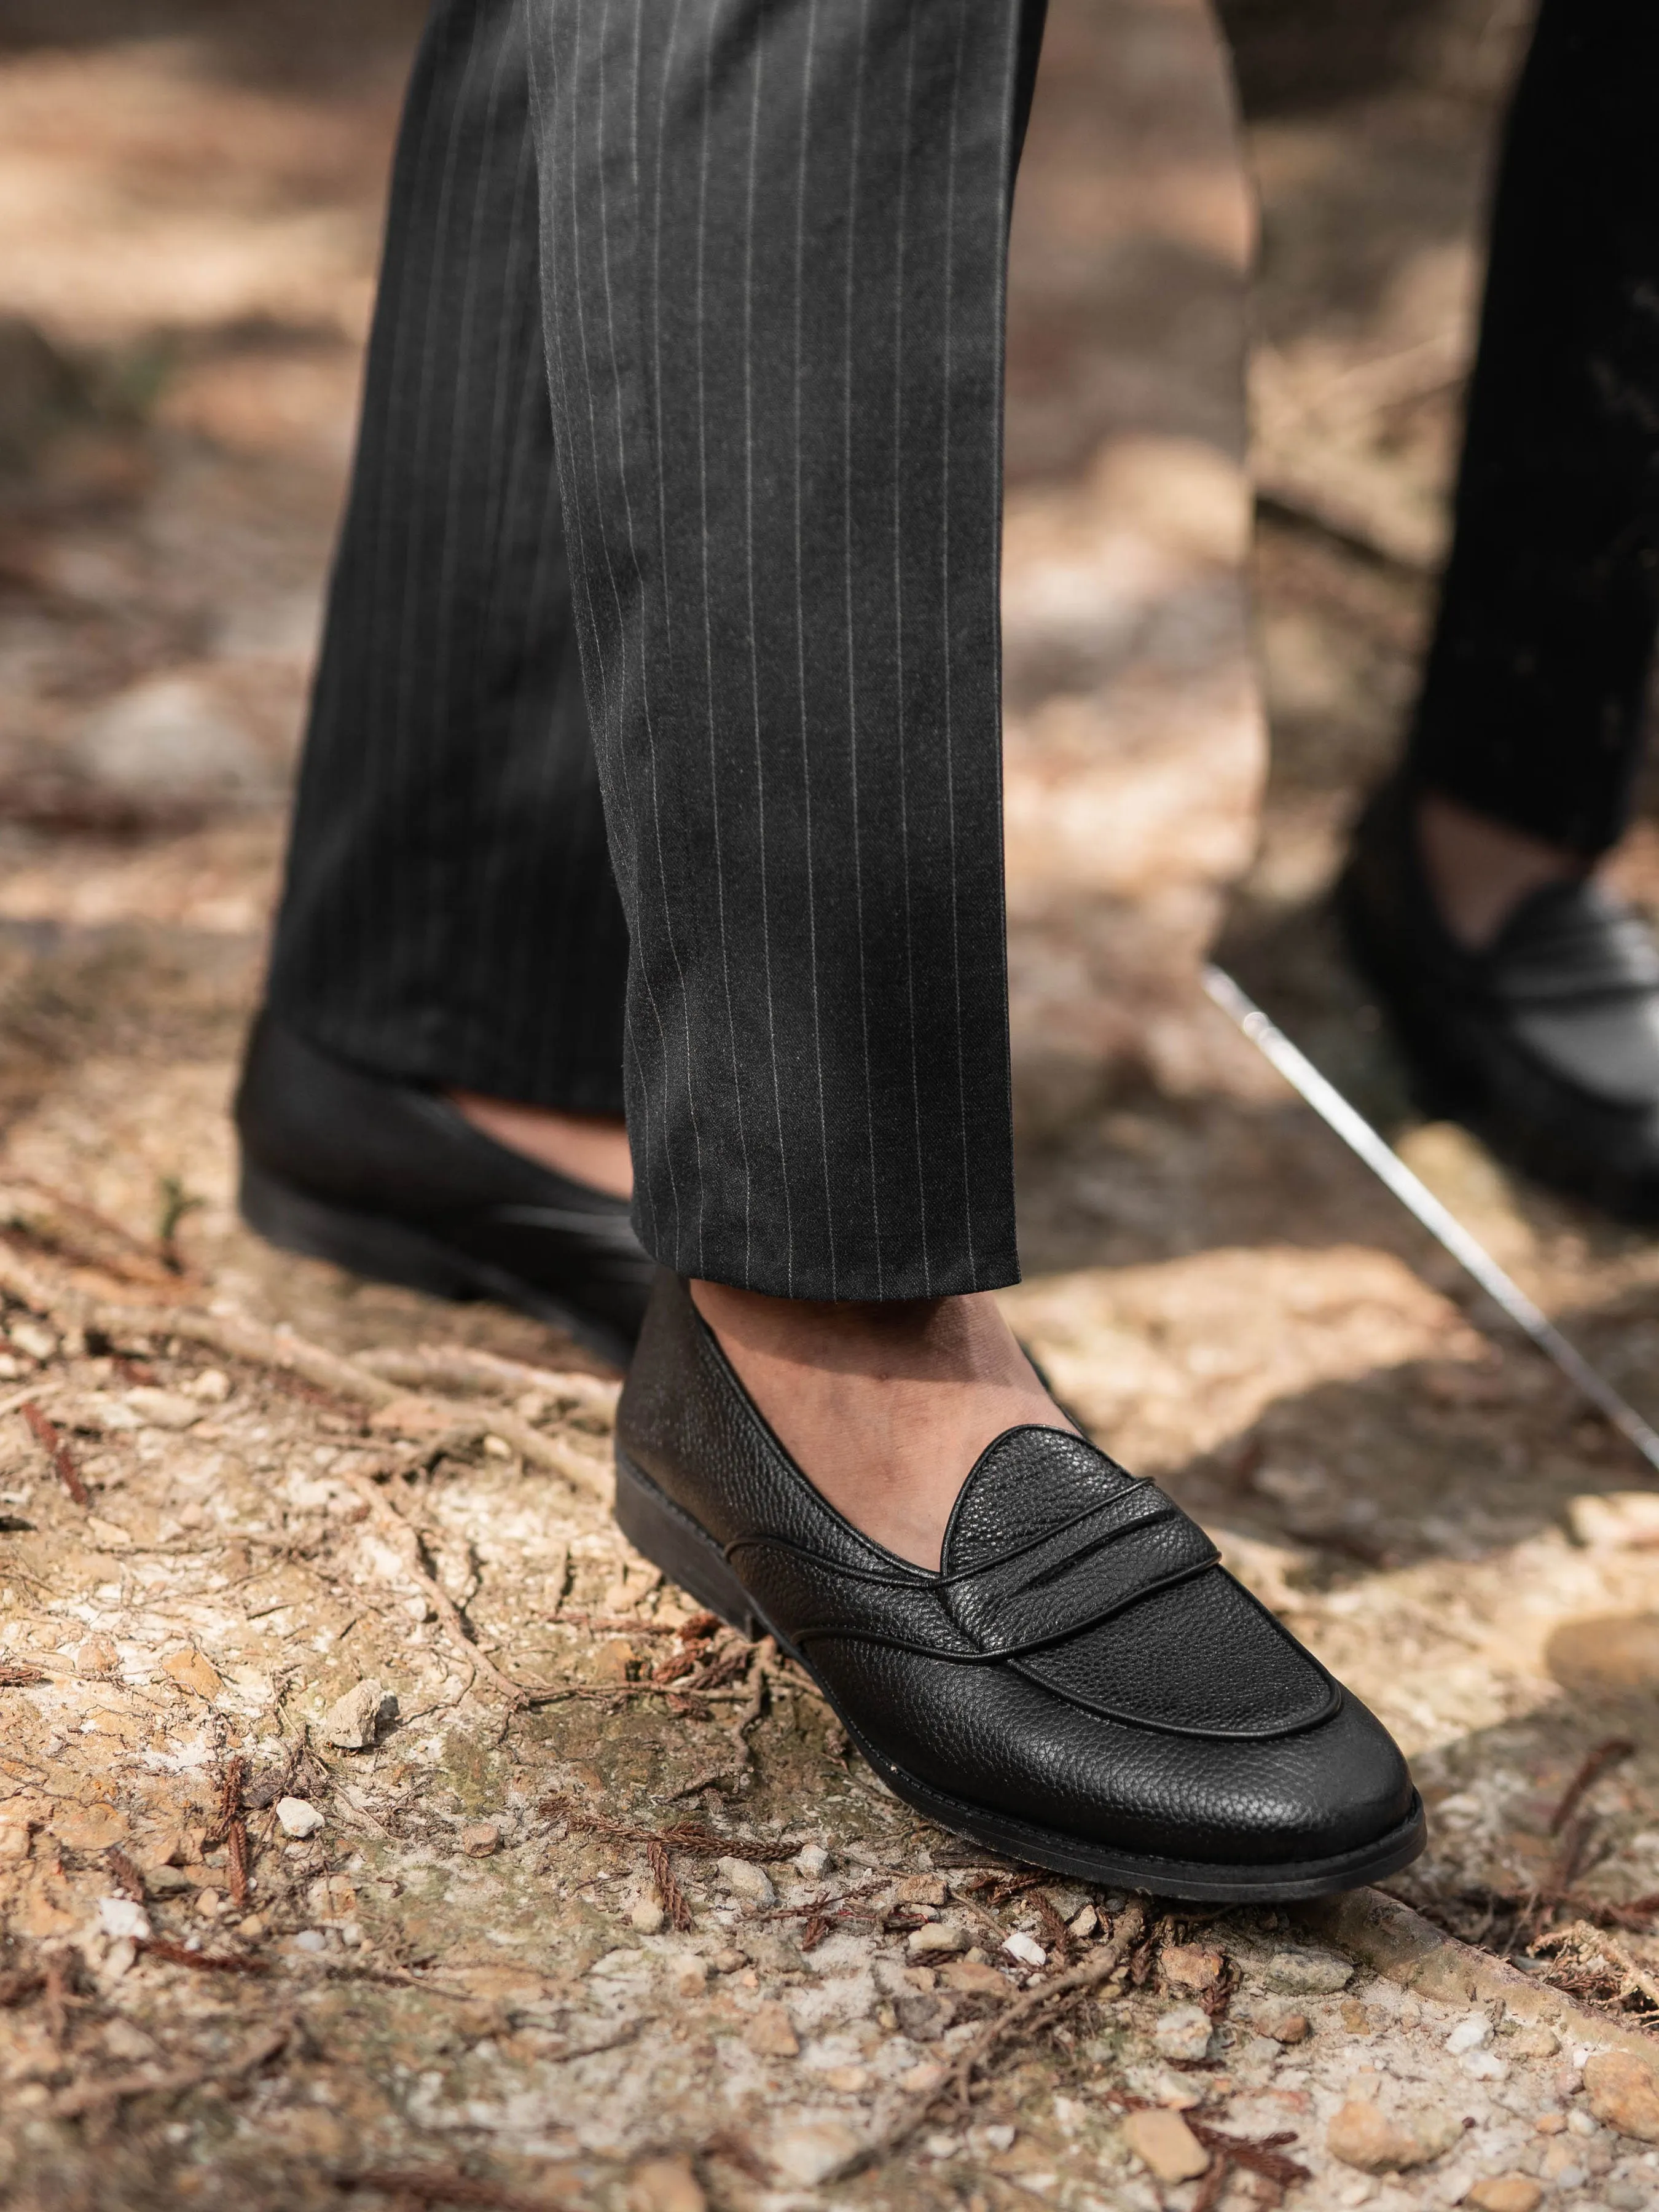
(655, 754)
(1534, 700)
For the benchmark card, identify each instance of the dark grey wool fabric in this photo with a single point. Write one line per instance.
(755, 251)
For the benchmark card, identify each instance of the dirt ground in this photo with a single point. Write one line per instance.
(598, 1910)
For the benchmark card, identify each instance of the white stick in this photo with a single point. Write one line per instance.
(1333, 1109)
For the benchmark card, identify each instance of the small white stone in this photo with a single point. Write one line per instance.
(33, 1337)
(353, 1721)
(1000, 2137)
(170, 737)
(1308, 1972)
(297, 1816)
(648, 1916)
(124, 2040)
(941, 2146)
(747, 1881)
(936, 1939)
(1086, 1924)
(310, 1939)
(1025, 1948)
(1183, 2033)
(163, 1409)
(1470, 2032)
(1484, 2066)
(812, 2151)
(811, 1860)
(120, 1916)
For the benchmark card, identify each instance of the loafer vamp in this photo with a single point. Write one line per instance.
(1574, 979)
(1548, 1042)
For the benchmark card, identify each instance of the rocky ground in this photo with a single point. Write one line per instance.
(374, 1828)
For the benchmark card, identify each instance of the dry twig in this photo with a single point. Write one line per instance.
(50, 1437)
(464, 1366)
(47, 1291)
(679, 1836)
(128, 1879)
(15, 1674)
(406, 1541)
(150, 2081)
(762, 1662)
(238, 1855)
(1039, 2007)
(1595, 1946)
(434, 2185)
(203, 1962)
(229, 1807)
(1259, 2154)
(1612, 1752)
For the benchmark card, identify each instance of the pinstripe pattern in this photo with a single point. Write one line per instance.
(450, 915)
(772, 241)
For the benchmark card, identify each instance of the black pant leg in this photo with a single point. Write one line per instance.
(1533, 699)
(450, 914)
(775, 239)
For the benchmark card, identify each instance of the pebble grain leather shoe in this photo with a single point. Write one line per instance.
(391, 1181)
(1546, 1044)
(1081, 1685)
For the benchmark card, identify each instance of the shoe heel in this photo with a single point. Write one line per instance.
(672, 1540)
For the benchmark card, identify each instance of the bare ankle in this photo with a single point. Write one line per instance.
(590, 1148)
(887, 1341)
(885, 1407)
(1479, 870)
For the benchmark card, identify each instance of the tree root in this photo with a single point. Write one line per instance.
(75, 1311)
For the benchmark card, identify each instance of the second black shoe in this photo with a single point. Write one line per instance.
(391, 1181)
(1082, 1685)
(1546, 1044)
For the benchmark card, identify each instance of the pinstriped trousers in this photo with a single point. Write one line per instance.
(654, 758)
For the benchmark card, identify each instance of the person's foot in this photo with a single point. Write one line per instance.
(1479, 871)
(1523, 995)
(1078, 1682)
(588, 1148)
(884, 1407)
(396, 1182)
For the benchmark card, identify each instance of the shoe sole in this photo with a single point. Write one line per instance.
(668, 1537)
(387, 1251)
(1446, 1088)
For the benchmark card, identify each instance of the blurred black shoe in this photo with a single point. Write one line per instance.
(389, 1180)
(1546, 1044)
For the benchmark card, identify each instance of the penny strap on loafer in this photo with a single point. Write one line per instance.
(1085, 1571)
(1571, 942)
(1037, 1592)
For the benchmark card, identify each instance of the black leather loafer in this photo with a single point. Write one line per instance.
(390, 1181)
(1083, 1684)
(1546, 1044)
